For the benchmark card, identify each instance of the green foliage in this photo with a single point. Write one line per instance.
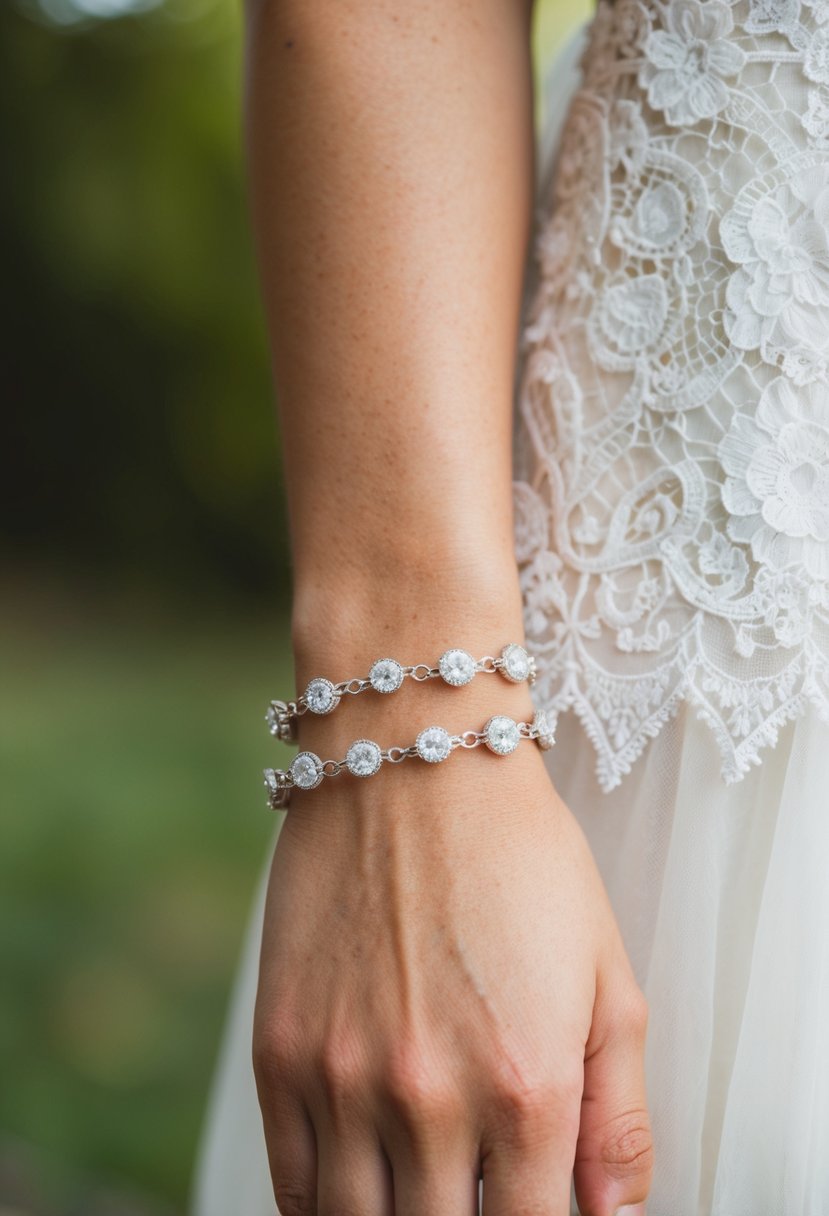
(137, 357)
(133, 835)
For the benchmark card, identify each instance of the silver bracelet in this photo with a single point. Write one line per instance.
(364, 757)
(455, 666)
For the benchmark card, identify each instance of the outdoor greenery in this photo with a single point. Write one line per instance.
(135, 827)
(147, 578)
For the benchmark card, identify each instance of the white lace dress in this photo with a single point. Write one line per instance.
(672, 532)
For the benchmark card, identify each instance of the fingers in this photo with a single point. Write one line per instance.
(614, 1154)
(430, 1140)
(527, 1155)
(353, 1173)
(289, 1133)
(292, 1157)
(443, 1185)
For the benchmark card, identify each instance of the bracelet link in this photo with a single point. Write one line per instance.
(500, 734)
(455, 667)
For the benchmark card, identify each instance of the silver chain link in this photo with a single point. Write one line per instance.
(476, 736)
(417, 671)
(421, 671)
(278, 799)
(354, 686)
(395, 755)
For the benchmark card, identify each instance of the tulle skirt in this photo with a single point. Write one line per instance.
(722, 896)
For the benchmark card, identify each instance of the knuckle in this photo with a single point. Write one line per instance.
(294, 1199)
(530, 1107)
(276, 1048)
(626, 1145)
(419, 1091)
(340, 1069)
(526, 1092)
(527, 1101)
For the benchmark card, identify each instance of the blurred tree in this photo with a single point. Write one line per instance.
(140, 439)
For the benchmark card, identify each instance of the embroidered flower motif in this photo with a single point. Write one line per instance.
(777, 489)
(600, 50)
(816, 119)
(659, 217)
(816, 60)
(788, 604)
(769, 16)
(779, 298)
(627, 135)
(722, 562)
(548, 607)
(555, 248)
(629, 316)
(632, 27)
(531, 521)
(686, 62)
(581, 157)
(820, 12)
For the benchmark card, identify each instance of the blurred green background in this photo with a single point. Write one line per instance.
(145, 586)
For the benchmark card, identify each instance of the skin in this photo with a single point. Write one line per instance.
(444, 994)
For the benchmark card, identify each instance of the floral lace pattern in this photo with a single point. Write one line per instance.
(672, 423)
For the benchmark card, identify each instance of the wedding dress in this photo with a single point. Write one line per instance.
(672, 533)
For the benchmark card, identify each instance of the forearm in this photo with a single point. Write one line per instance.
(390, 166)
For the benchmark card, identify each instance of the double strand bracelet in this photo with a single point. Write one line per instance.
(455, 667)
(364, 757)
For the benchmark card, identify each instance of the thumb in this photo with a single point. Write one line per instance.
(614, 1152)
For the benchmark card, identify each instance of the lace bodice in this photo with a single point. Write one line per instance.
(672, 421)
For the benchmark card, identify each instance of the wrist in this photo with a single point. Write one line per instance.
(413, 614)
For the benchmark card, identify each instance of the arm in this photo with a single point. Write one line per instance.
(410, 1033)
(390, 161)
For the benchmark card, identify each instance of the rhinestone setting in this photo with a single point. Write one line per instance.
(516, 665)
(363, 758)
(386, 675)
(321, 696)
(457, 667)
(433, 744)
(501, 735)
(306, 770)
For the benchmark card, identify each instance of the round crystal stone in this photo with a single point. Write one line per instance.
(457, 667)
(516, 664)
(433, 744)
(306, 770)
(502, 735)
(386, 675)
(321, 696)
(363, 758)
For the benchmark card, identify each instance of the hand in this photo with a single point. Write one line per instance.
(444, 995)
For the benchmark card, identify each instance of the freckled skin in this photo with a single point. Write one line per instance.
(443, 989)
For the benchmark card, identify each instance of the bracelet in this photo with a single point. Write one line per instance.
(364, 757)
(455, 667)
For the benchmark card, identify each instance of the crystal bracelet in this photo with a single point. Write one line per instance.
(364, 757)
(455, 666)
